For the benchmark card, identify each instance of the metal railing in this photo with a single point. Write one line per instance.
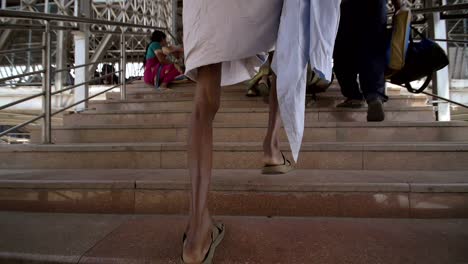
(123, 29)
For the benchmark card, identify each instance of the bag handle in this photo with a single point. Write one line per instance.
(421, 35)
(428, 77)
(420, 89)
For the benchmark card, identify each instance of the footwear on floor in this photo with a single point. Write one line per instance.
(375, 112)
(252, 92)
(351, 103)
(278, 169)
(217, 235)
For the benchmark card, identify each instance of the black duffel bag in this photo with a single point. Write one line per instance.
(423, 58)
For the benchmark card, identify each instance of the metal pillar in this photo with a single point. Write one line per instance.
(441, 80)
(46, 103)
(174, 20)
(46, 6)
(123, 67)
(6, 33)
(81, 39)
(60, 62)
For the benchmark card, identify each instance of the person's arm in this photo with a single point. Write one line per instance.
(162, 57)
(177, 52)
(170, 49)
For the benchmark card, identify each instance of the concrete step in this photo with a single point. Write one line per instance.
(314, 132)
(14, 118)
(89, 238)
(459, 113)
(236, 155)
(238, 116)
(349, 193)
(235, 100)
(187, 91)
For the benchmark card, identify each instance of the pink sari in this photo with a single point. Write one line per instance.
(157, 73)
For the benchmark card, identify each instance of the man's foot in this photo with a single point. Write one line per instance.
(283, 168)
(216, 236)
(351, 103)
(375, 112)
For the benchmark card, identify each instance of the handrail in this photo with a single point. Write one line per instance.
(28, 27)
(21, 75)
(445, 99)
(20, 50)
(83, 65)
(452, 40)
(22, 125)
(21, 100)
(50, 17)
(84, 100)
(454, 7)
(53, 17)
(83, 83)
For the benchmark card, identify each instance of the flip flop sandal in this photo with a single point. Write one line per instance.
(161, 89)
(217, 235)
(278, 169)
(252, 92)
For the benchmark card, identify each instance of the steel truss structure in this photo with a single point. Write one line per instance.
(104, 42)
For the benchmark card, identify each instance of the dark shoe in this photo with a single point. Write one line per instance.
(351, 103)
(375, 112)
(252, 92)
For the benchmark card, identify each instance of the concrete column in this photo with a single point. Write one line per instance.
(441, 80)
(61, 63)
(60, 58)
(81, 40)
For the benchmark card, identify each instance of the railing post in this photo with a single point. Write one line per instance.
(46, 103)
(123, 66)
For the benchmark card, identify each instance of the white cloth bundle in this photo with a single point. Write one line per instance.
(307, 33)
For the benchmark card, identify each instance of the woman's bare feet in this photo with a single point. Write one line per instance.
(164, 86)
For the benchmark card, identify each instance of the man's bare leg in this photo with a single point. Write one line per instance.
(271, 150)
(200, 162)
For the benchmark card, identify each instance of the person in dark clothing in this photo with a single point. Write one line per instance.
(360, 50)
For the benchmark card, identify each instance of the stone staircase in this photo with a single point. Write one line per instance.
(129, 158)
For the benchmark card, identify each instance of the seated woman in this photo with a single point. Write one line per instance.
(159, 70)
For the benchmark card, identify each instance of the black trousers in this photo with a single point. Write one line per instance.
(360, 49)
